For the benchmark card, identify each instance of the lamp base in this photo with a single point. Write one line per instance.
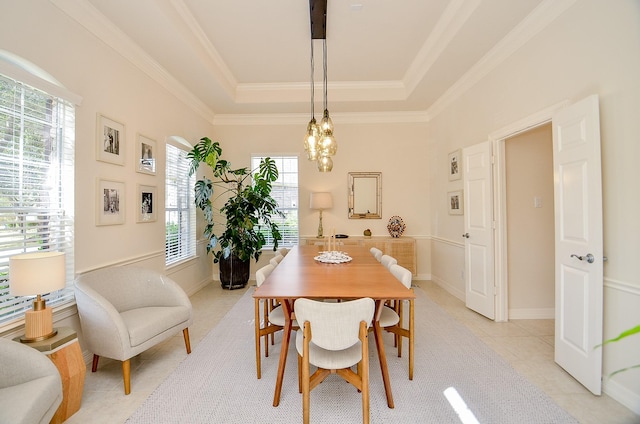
(25, 339)
(38, 325)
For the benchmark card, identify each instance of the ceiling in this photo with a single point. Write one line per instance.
(252, 57)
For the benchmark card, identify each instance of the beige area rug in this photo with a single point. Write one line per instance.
(217, 382)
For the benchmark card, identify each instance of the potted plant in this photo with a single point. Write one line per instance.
(247, 210)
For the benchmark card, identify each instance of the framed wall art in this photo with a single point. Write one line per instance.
(455, 165)
(147, 203)
(110, 202)
(145, 155)
(110, 141)
(455, 202)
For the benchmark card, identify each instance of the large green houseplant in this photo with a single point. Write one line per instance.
(247, 210)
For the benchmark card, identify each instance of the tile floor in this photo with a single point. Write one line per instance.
(526, 344)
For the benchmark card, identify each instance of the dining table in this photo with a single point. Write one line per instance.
(302, 275)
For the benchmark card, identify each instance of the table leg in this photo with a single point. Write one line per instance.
(377, 331)
(287, 309)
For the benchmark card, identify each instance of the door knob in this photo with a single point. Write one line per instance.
(465, 235)
(588, 257)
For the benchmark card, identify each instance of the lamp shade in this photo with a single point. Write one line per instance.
(36, 273)
(320, 201)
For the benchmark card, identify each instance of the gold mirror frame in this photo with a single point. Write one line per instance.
(365, 195)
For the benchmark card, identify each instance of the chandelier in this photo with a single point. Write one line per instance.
(319, 143)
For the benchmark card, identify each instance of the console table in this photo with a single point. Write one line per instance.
(64, 351)
(401, 248)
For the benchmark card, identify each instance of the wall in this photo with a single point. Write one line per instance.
(530, 229)
(592, 48)
(398, 150)
(40, 33)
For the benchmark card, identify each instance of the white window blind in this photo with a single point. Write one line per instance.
(36, 185)
(180, 213)
(285, 193)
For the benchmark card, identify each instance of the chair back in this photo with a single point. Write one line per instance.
(377, 253)
(128, 287)
(387, 261)
(334, 326)
(402, 274)
(263, 273)
(276, 259)
(283, 251)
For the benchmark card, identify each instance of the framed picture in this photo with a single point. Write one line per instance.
(455, 203)
(455, 165)
(110, 202)
(110, 141)
(146, 155)
(147, 203)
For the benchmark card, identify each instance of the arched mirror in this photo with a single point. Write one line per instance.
(365, 195)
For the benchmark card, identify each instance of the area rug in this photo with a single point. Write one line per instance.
(217, 382)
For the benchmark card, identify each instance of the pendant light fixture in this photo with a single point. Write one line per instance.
(312, 136)
(319, 143)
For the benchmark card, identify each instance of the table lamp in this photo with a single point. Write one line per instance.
(33, 274)
(320, 201)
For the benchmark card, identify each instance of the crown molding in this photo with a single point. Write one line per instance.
(543, 15)
(338, 118)
(83, 12)
(96, 23)
(449, 24)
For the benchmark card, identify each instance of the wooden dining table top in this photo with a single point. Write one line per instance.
(300, 275)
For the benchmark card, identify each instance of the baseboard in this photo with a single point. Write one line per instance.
(532, 313)
(448, 287)
(622, 395)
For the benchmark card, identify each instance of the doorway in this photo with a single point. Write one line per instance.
(530, 224)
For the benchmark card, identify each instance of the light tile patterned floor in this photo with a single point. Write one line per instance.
(526, 344)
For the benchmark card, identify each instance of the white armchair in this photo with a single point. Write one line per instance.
(30, 385)
(126, 310)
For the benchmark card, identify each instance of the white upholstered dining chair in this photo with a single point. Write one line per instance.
(387, 261)
(391, 318)
(333, 338)
(262, 324)
(377, 253)
(276, 260)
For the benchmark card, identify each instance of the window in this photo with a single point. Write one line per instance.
(36, 185)
(285, 192)
(180, 213)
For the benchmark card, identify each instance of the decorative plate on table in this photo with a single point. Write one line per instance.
(333, 257)
(396, 226)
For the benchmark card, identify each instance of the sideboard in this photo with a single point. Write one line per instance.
(401, 248)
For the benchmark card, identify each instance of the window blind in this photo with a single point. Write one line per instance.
(36, 185)
(180, 213)
(285, 193)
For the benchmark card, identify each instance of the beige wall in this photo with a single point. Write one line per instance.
(591, 49)
(398, 150)
(40, 33)
(530, 229)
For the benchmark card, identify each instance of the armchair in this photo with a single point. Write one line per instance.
(30, 385)
(126, 310)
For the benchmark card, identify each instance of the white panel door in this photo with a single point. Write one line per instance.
(478, 229)
(578, 241)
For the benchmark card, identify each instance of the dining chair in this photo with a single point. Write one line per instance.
(276, 260)
(283, 251)
(377, 253)
(387, 261)
(334, 338)
(263, 325)
(391, 318)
